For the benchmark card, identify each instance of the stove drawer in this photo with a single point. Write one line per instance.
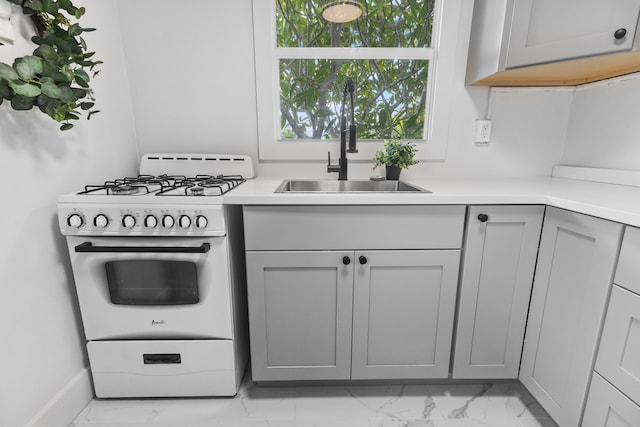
(171, 368)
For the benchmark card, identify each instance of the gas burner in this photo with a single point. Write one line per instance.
(202, 185)
(124, 190)
(196, 191)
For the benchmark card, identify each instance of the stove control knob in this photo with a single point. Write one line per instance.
(150, 221)
(201, 221)
(128, 221)
(101, 221)
(168, 221)
(75, 220)
(184, 221)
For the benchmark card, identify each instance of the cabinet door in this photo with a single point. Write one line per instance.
(499, 261)
(573, 276)
(300, 314)
(628, 270)
(404, 303)
(607, 407)
(552, 30)
(619, 353)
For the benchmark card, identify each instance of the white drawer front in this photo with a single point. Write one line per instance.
(607, 407)
(619, 354)
(169, 368)
(628, 271)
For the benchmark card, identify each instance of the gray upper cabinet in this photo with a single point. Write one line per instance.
(576, 260)
(497, 274)
(551, 42)
(403, 311)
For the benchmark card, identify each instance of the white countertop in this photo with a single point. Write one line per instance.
(620, 203)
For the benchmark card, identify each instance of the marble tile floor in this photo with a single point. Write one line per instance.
(473, 405)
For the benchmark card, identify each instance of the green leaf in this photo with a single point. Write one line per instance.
(82, 74)
(67, 72)
(91, 113)
(25, 89)
(66, 126)
(7, 72)
(37, 5)
(28, 66)
(82, 82)
(79, 12)
(51, 90)
(5, 90)
(47, 105)
(66, 94)
(47, 53)
(22, 103)
(87, 105)
(74, 30)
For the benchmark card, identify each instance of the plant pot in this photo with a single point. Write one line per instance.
(393, 172)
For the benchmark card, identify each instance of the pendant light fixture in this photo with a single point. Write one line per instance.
(340, 11)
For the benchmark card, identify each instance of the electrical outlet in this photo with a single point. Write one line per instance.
(483, 131)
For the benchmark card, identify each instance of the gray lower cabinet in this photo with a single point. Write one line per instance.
(608, 407)
(573, 277)
(614, 396)
(403, 311)
(320, 309)
(301, 311)
(497, 274)
(300, 314)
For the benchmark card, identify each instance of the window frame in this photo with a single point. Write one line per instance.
(441, 57)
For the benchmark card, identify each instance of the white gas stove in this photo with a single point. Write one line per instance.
(158, 263)
(174, 194)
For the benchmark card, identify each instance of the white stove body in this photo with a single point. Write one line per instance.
(160, 283)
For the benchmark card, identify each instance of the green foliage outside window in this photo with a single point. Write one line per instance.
(390, 94)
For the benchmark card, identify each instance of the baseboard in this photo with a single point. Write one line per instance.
(61, 410)
(608, 176)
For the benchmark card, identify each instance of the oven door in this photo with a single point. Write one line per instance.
(152, 287)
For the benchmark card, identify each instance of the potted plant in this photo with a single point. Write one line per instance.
(397, 155)
(55, 77)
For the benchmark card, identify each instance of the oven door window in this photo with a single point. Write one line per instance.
(152, 282)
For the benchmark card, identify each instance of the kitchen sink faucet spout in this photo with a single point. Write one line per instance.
(341, 167)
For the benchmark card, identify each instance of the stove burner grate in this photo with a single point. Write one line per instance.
(164, 185)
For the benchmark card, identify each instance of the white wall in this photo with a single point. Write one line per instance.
(192, 77)
(604, 127)
(42, 362)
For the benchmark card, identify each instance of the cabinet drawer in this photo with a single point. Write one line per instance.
(628, 272)
(607, 407)
(350, 227)
(619, 355)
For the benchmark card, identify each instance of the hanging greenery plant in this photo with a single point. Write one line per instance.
(55, 78)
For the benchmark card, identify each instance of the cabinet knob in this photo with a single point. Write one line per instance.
(483, 217)
(362, 260)
(620, 33)
(346, 260)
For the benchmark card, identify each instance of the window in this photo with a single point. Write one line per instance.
(302, 62)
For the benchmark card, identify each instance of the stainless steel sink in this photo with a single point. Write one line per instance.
(352, 186)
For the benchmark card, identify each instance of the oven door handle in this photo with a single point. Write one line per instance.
(88, 247)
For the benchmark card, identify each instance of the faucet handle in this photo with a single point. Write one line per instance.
(330, 167)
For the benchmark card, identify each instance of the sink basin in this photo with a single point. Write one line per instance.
(353, 186)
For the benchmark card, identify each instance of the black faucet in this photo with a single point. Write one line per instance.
(341, 167)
